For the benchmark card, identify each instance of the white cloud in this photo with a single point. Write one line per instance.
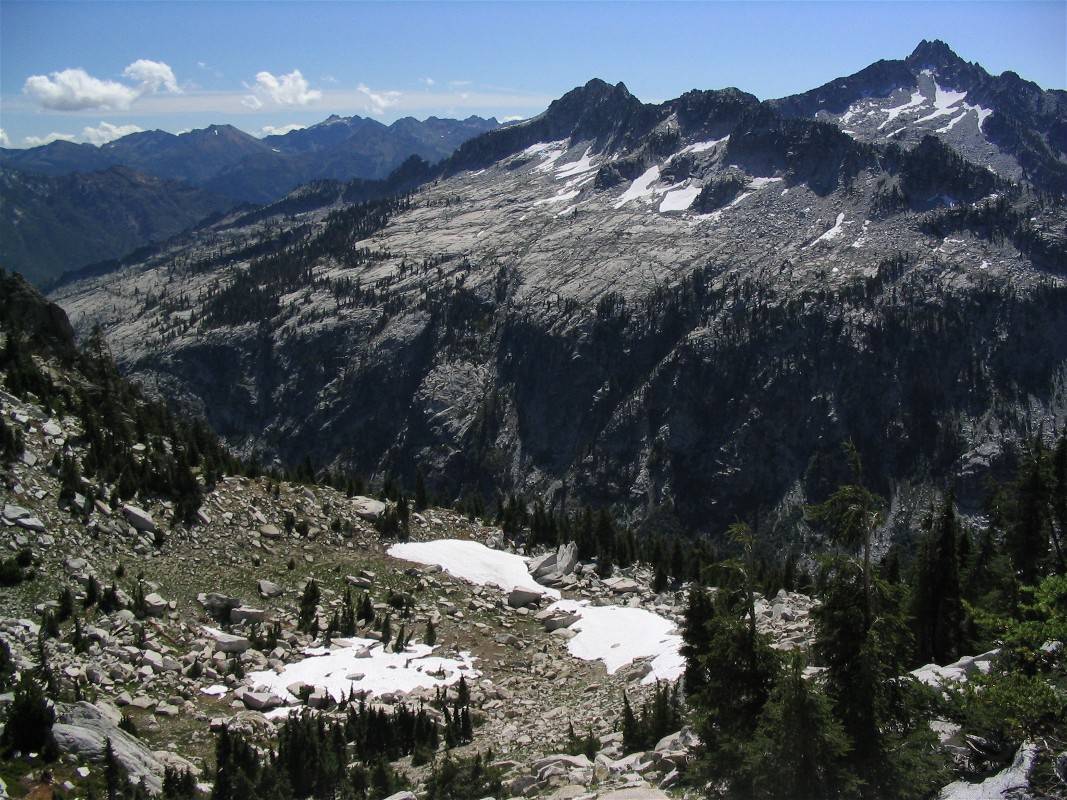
(252, 102)
(77, 90)
(152, 75)
(5, 140)
(54, 136)
(512, 118)
(291, 89)
(377, 102)
(428, 81)
(106, 132)
(280, 130)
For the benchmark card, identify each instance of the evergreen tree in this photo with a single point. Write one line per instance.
(797, 752)
(309, 603)
(937, 601)
(28, 725)
(851, 514)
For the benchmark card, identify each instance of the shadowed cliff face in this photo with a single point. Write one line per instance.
(679, 311)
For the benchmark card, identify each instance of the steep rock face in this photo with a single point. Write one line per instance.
(561, 317)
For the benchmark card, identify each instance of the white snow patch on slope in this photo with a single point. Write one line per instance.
(833, 233)
(982, 114)
(944, 101)
(472, 561)
(917, 99)
(559, 198)
(679, 199)
(953, 123)
(583, 164)
(1010, 782)
(861, 240)
(362, 665)
(618, 635)
(759, 183)
(641, 187)
(701, 147)
(550, 153)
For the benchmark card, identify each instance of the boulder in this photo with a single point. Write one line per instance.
(139, 518)
(567, 558)
(519, 597)
(247, 614)
(261, 701)
(270, 531)
(635, 793)
(270, 589)
(368, 508)
(542, 565)
(82, 730)
(227, 642)
(218, 605)
(13, 512)
(155, 605)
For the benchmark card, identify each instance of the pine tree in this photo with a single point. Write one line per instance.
(938, 605)
(851, 514)
(309, 602)
(430, 637)
(28, 725)
(797, 752)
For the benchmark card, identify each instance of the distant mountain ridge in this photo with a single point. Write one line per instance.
(232, 163)
(49, 224)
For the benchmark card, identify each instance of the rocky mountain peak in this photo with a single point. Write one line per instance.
(934, 54)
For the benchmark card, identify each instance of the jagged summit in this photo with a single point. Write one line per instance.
(933, 53)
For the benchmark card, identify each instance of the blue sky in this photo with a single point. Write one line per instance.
(93, 70)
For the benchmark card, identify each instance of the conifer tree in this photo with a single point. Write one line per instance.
(938, 605)
(798, 749)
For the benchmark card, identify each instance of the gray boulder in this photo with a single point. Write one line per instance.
(139, 518)
(270, 589)
(218, 605)
(227, 642)
(519, 597)
(83, 730)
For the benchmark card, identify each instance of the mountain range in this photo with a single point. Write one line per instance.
(89, 203)
(675, 310)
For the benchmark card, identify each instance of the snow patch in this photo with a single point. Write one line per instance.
(559, 198)
(679, 199)
(583, 164)
(944, 102)
(474, 562)
(759, 183)
(641, 187)
(618, 635)
(361, 665)
(702, 147)
(833, 233)
(917, 99)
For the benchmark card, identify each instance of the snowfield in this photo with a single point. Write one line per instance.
(474, 562)
(618, 635)
(361, 665)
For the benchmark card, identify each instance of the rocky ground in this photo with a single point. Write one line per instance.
(176, 672)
